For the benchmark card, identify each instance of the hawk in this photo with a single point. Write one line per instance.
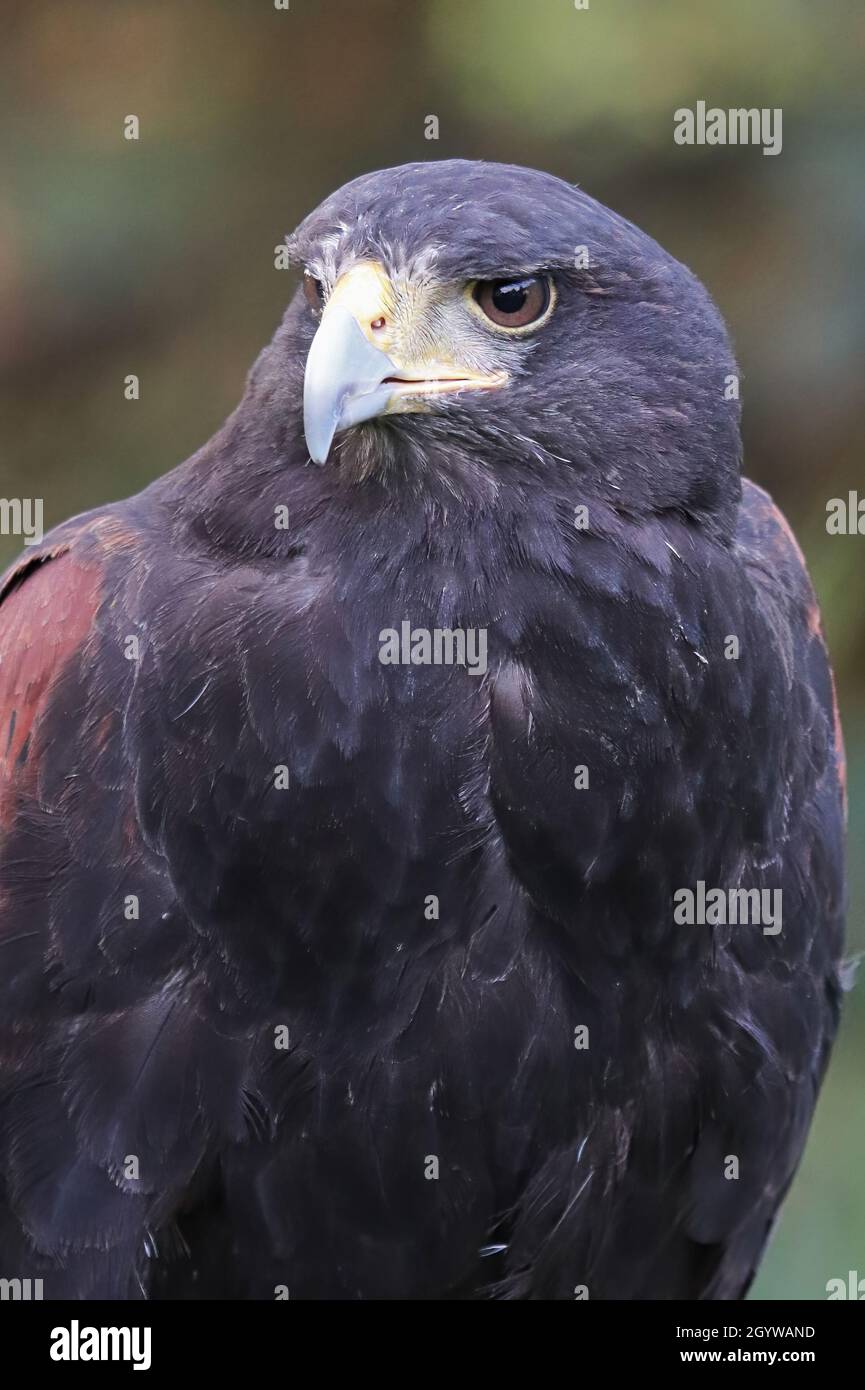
(354, 775)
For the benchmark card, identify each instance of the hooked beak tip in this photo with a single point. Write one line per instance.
(343, 381)
(319, 440)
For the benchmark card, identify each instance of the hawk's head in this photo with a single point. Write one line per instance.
(463, 314)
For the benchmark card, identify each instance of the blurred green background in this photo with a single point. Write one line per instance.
(156, 257)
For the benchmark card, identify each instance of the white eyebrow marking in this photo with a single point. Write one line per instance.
(335, 253)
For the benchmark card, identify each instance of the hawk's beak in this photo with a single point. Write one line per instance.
(360, 362)
(343, 382)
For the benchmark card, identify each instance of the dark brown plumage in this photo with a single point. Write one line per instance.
(144, 770)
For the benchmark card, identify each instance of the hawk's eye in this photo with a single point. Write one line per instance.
(313, 291)
(514, 303)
